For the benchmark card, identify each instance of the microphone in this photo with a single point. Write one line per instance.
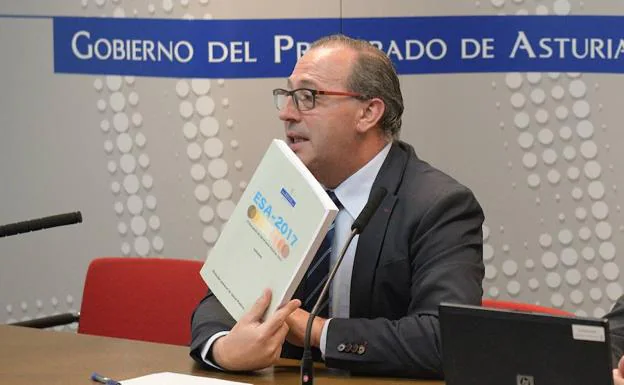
(307, 364)
(40, 223)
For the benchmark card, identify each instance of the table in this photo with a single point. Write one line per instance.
(33, 356)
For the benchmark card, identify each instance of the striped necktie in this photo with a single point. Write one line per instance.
(318, 272)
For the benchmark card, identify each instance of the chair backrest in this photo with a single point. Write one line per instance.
(148, 299)
(519, 306)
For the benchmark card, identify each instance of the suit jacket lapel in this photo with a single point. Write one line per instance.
(371, 240)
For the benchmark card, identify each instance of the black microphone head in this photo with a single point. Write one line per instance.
(62, 219)
(374, 200)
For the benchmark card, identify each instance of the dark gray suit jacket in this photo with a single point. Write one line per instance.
(422, 246)
(616, 326)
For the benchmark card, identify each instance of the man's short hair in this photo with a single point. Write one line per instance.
(372, 75)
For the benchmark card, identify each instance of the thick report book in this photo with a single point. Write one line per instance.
(272, 234)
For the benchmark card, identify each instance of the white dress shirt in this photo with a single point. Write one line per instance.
(353, 194)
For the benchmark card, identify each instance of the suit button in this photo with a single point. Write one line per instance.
(355, 348)
(347, 348)
(361, 350)
(341, 347)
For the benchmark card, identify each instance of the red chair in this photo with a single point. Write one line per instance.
(148, 299)
(519, 306)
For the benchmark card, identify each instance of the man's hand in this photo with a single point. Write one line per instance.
(297, 322)
(253, 344)
(618, 374)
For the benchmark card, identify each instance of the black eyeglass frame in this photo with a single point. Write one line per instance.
(313, 93)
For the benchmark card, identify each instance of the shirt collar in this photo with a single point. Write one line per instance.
(354, 191)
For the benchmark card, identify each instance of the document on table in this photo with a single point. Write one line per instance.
(168, 378)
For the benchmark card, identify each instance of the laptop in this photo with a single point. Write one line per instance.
(482, 346)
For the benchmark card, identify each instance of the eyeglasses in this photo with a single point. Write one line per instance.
(305, 98)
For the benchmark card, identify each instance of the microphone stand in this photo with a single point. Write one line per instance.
(307, 363)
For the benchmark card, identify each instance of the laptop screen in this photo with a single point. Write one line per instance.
(483, 346)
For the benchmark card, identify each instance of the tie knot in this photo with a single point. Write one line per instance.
(334, 198)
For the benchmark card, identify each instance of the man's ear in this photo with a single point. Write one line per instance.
(370, 114)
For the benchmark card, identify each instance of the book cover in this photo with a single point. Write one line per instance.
(272, 234)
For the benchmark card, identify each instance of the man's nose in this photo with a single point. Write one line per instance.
(289, 111)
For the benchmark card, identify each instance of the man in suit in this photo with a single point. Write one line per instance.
(342, 115)
(616, 326)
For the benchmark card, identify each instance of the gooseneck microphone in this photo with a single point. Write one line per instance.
(307, 363)
(40, 224)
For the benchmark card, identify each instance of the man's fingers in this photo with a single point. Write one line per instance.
(286, 310)
(283, 332)
(278, 353)
(280, 336)
(272, 324)
(259, 307)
